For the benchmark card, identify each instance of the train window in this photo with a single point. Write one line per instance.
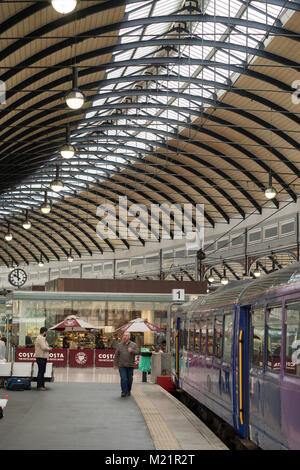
(210, 336)
(274, 337)
(258, 334)
(228, 330)
(218, 336)
(292, 339)
(191, 336)
(203, 336)
(183, 335)
(197, 336)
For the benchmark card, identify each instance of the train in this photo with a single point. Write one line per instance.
(237, 352)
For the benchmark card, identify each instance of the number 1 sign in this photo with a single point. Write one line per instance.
(178, 295)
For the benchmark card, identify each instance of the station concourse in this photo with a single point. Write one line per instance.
(149, 179)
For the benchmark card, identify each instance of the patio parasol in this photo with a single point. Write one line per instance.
(139, 325)
(72, 323)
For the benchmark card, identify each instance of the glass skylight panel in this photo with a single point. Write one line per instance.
(210, 31)
(90, 114)
(98, 102)
(140, 13)
(143, 51)
(155, 29)
(115, 73)
(162, 7)
(122, 56)
(272, 10)
(223, 8)
(161, 105)
(130, 35)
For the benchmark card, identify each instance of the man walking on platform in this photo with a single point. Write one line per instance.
(42, 349)
(124, 358)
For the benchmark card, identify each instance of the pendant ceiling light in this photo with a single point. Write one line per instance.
(75, 97)
(41, 262)
(70, 257)
(26, 224)
(257, 272)
(224, 279)
(64, 6)
(67, 151)
(8, 236)
(210, 277)
(57, 184)
(45, 207)
(270, 192)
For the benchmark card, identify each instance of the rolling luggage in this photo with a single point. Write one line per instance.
(18, 383)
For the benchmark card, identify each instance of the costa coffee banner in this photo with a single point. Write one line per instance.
(81, 357)
(57, 356)
(105, 358)
(24, 355)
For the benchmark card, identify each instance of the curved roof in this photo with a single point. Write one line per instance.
(186, 102)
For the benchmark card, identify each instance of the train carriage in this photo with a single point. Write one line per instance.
(237, 352)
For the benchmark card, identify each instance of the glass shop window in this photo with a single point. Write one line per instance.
(292, 339)
(210, 336)
(274, 338)
(258, 336)
(218, 336)
(228, 336)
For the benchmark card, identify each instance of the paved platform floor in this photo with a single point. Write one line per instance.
(83, 410)
(73, 416)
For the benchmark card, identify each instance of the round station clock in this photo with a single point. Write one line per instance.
(17, 277)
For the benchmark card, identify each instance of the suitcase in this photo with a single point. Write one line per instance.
(18, 383)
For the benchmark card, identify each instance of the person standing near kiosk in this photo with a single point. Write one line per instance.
(42, 349)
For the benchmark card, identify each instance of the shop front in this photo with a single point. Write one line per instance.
(29, 311)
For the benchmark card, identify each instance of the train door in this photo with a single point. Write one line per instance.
(256, 374)
(242, 372)
(176, 357)
(272, 407)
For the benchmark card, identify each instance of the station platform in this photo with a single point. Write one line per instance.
(83, 410)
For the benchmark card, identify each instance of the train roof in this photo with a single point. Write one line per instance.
(277, 279)
(242, 290)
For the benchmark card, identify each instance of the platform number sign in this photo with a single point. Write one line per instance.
(178, 295)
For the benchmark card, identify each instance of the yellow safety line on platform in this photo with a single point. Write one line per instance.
(162, 437)
(206, 435)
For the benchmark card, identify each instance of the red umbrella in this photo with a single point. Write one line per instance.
(72, 323)
(138, 325)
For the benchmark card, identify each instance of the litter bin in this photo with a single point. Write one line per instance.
(145, 362)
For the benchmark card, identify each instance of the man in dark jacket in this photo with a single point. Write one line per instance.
(124, 358)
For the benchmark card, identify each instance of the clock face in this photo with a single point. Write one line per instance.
(17, 277)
